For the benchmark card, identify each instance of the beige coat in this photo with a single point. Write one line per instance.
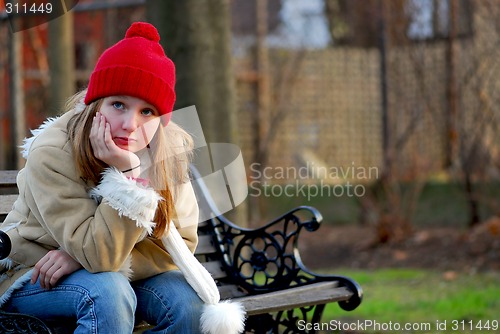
(103, 227)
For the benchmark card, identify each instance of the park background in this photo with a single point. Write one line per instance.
(397, 99)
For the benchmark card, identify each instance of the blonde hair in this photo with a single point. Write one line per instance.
(171, 157)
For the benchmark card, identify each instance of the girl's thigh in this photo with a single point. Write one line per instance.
(93, 300)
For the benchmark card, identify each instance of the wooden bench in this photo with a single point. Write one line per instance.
(261, 268)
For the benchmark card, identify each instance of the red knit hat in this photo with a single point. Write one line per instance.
(135, 66)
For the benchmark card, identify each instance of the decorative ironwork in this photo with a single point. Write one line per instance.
(267, 259)
(286, 322)
(13, 323)
(264, 259)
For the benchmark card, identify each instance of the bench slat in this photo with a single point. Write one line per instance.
(205, 245)
(215, 269)
(313, 294)
(6, 202)
(230, 291)
(8, 178)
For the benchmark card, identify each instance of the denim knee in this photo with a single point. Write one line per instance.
(169, 302)
(110, 305)
(114, 289)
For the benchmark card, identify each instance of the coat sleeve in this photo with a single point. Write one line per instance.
(99, 235)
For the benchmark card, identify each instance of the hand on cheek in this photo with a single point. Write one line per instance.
(105, 148)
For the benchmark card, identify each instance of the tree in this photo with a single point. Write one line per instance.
(16, 95)
(475, 100)
(61, 55)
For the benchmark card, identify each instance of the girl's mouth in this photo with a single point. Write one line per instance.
(123, 141)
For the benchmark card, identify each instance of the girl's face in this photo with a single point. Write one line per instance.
(133, 122)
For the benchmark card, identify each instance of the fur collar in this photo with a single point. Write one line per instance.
(27, 142)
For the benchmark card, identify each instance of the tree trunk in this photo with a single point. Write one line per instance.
(451, 89)
(16, 97)
(61, 55)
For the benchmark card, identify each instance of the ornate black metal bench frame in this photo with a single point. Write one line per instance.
(259, 267)
(267, 260)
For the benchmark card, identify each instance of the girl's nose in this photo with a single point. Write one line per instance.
(130, 122)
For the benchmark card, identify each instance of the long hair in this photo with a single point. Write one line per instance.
(169, 151)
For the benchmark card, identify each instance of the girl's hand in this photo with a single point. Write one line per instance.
(52, 267)
(105, 148)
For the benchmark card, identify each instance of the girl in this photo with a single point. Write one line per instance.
(100, 186)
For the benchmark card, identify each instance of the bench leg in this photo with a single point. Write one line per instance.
(260, 324)
(286, 321)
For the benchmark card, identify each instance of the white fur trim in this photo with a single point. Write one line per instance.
(128, 198)
(27, 142)
(7, 263)
(225, 317)
(19, 283)
(218, 317)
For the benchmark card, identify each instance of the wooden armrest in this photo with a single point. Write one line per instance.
(307, 295)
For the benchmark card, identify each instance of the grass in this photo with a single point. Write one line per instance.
(408, 296)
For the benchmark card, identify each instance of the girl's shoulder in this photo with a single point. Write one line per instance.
(52, 133)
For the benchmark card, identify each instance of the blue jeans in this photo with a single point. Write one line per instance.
(106, 303)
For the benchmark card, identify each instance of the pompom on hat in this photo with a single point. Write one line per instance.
(135, 66)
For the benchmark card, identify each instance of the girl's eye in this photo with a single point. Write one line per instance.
(118, 105)
(148, 112)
